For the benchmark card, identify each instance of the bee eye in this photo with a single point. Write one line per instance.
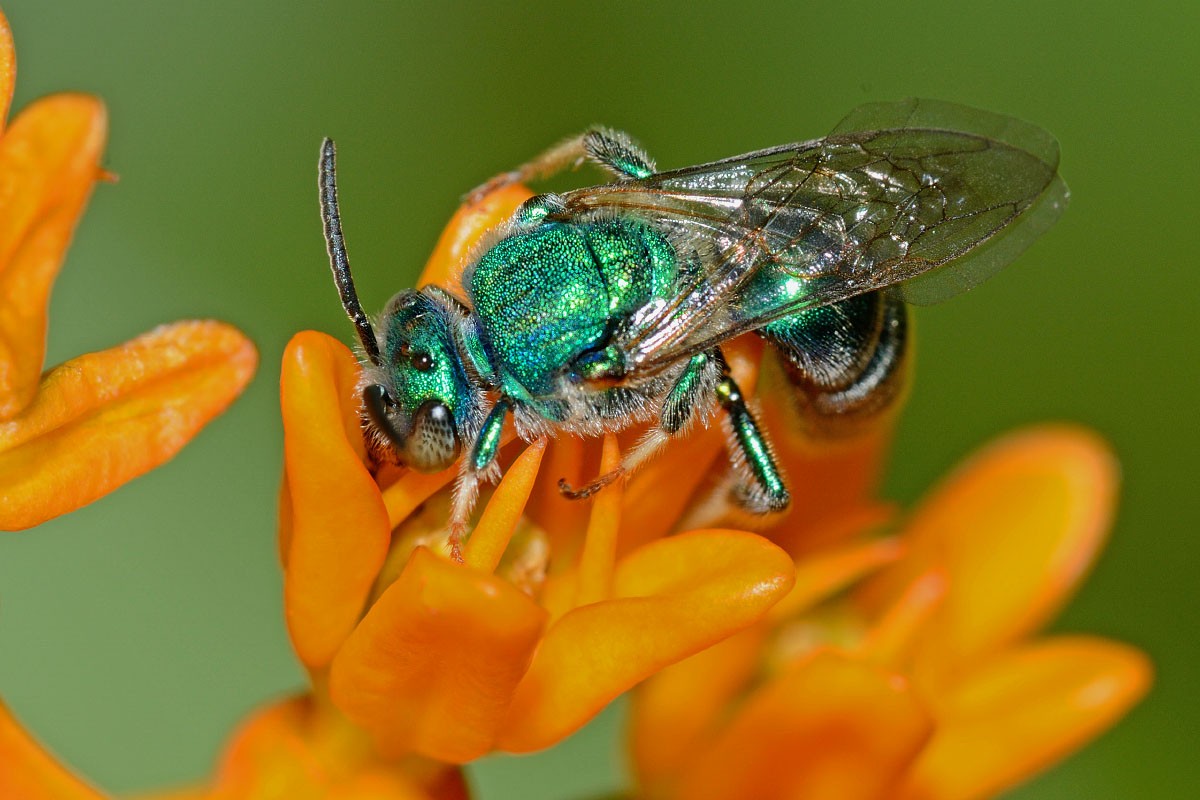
(422, 361)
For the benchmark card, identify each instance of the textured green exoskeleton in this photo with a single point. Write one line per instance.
(605, 306)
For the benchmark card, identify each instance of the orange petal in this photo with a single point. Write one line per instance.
(823, 574)
(1023, 711)
(27, 771)
(407, 494)
(561, 518)
(176, 794)
(102, 419)
(432, 666)
(1014, 530)
(466, 228)
(291, 750)
(595, 574)
(339, 525)
(491, 536)
(49, 160)
(283, 505)
(673, 597)
(414, 488)
(828, 477)
(833, 727)
(890, 640)
(8, 69)
(676, 711)
(659, 492)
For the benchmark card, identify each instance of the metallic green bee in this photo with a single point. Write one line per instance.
(607, 306)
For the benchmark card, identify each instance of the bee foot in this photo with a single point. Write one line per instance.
(455, 541)
(589, 489)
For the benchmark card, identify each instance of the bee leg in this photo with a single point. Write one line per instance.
(615, 151)
(847, 361)
(480, 464)
(761, 490)
(684, 403)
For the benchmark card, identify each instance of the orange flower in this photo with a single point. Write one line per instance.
(291, 750)
(507, 651)
(84, 428)
(922, 683)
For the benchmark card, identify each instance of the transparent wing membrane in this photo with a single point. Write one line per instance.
(924, 195)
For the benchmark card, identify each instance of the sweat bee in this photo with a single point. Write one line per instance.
(606, 306)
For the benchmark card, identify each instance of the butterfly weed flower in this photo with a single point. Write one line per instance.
(908, 667)
(537, 630)
(826, 664)
(80, 430)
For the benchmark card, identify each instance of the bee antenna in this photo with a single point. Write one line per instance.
(339, 261)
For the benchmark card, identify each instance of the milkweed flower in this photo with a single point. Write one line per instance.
(824, 664)
(286, 751)
(75, 433)
(923, 680)
(508, 650)
(87, 426)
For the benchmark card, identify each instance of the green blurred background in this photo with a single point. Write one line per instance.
(136, 632)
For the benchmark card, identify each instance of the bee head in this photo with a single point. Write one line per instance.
(419, 397)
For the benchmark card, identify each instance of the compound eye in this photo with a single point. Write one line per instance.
(423, 362)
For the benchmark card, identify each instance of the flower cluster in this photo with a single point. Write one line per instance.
(80, 430)
(837, 653)
(87, 426)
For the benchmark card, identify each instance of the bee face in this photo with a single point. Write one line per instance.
(419, 392)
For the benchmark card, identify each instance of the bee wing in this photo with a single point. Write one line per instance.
(925, 196)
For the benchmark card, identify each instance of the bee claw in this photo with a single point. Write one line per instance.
(454, 540)
(588, 489)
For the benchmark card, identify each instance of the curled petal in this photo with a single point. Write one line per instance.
(339, 529)
(27, 771)
(49, 161)
(890, 640)
(825, 573)
(470, 223)
(596, 561)
(832, 727)
(678, 710)
(562, 518)
(102, 419)
(1014, 530)
(1023, 711)
(291, 751)
(672, 598)
(491, 536)
(8, 69)
(433, 665)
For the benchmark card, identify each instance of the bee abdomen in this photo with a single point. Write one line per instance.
(847, 362)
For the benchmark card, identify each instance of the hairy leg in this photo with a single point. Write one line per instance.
(614, 151)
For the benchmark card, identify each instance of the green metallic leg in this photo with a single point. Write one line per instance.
(684, 402)
(615, 151)
(693, 388)
(481, 461)
(761, 489)
(487, 443)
